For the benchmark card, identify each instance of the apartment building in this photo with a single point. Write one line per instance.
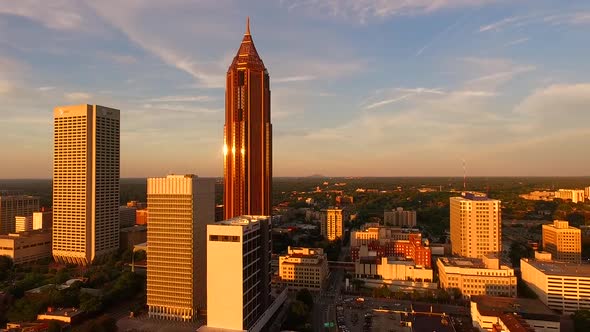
(563, 241)
(332, 224)
(412, 248)
(303, 268)
(400, 218)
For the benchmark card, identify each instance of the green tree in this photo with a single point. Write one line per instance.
(54, 326)
(581, 320)
(90, 304)
(306, 297)
(6, 265)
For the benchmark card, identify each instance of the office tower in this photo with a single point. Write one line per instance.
(85, 183)
(238, 272)
(563, 241)
(247, 135)
(15, 205)
(332, 224)
(304, 268)
(180, 208)
(127, 216)
(23, 223)
(399, 217)
(42, 219)
(141, 217)
(476, 225)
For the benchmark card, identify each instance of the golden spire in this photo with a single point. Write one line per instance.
(248, 26)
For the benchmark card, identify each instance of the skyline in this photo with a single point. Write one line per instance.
(429, 83)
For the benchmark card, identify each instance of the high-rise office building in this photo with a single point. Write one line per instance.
(238, 272)
(332, 224)
(247, 135)
(563, 241)
(476, 225)
(23, 223)
(180, 208)
(85, 183)
(15, 205)
(399, 217)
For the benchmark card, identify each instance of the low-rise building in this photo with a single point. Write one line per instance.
(23, 223)
(66, 315)
(127, 216)
(574, 195)
(487, 311)
(563, 241)
(26, 246)
(374, 232)
(130, 236)
(392, 268)
(141, 217)
(539, 196)
(411, 248)
(474, 276)
(303, 268)
(561, 286)
(400, 218)
(42, 219)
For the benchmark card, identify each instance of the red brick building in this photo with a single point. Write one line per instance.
(411, 248)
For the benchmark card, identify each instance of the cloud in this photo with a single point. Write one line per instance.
(573, 18)
(55, 14)
(393, 96)
(498, 25)
(363, 10)
(168, 99)
(561, 100)
(290, 79)
(516, 42)
(46, 88)
(122, 59)
(493, 72)
(77, 96)
(388, 101)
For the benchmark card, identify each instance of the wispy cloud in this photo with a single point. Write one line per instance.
(55, 14)
(290, 79)
(516, 42)
(77, 96)
(388, 101)
(46, 88)
(168, 99)
(570, 18)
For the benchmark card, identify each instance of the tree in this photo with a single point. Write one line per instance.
(54, 326)
(305, 296)
(6, 265)
(90, 304)
(581, 320)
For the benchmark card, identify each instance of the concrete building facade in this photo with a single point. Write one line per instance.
(473, 276)
(303, 268)
(180, 206)
(332, 227)
(127, 215)
(23, 223)
(563, 241)
(476, 225)
(85, 183)
(574, 195)
(238, 272)
(412, 249)
(400, 218)
(42, 219)
(561, 286)
(15, 205)
(26, 247)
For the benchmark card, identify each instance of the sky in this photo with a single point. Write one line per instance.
(359, 87)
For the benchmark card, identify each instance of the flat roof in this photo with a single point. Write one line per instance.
(464, 262)
(561, 268)
(242, 220)
(527, 308)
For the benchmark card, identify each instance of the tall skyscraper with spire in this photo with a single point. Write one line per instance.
(247, 134)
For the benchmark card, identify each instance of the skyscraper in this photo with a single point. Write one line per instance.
(476, 225)
(238, 272)
(85, 183)
(247, 134)
(332, 224)
(180, 208)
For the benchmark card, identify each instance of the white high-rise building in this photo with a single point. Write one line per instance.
(85, 183)
(238, 272)
(180, 208)
(476, 225)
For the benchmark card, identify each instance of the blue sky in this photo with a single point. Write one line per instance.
(359, 87)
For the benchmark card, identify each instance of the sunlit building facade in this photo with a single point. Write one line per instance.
(15, 205)
(476, 225)
(42, 219)
(180, 208)
(332, 224)
(85, 183)
(23, 223)
(399, 217)
(247, 134)
(25, 247)
(574, 195)
(303, 268)
(563, 241)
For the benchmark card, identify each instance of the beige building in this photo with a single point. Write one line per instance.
(587, 192)
(23, 223)
(574, 195)
(42, 220)
(487, 311)
(303, 268)
(473, 276)
(180, 206)
(15, 205)
(238, 272)
(26, 247)
(539, 196)
(563, 241)
(476, 225)
(85, 183)
(390, 269)
(379, 233)
(332, 224)
(561, 286)
(400, 218)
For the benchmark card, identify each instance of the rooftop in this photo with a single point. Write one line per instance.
(474, 196)
(242, 220)
(25, 234)
(464, 262)
(561, 268)
(527, 308)
(65, 312)
(514, 323)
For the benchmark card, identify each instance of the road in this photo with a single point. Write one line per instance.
(324, 303)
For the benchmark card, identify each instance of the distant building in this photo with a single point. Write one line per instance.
(487, 311)
(23, 223)
(26, 247)
(587, 192)
(411, 248)
(539, 196)
(303, 268)
(127, 216)
(141, 217)
(42, 219)
(390, 269)
(474, 276)
(399, 218)
(476, 225)
(131, 236)
(343, 200)
(332, 224)
(86, 180)
(180, 206)
(561, 286)
(238, 272)
(574, 195)
(372, 233)
(15, 205)
(66, 315)
(563, 241)
(138, 205)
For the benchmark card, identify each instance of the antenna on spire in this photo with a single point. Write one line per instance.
(248, 25)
